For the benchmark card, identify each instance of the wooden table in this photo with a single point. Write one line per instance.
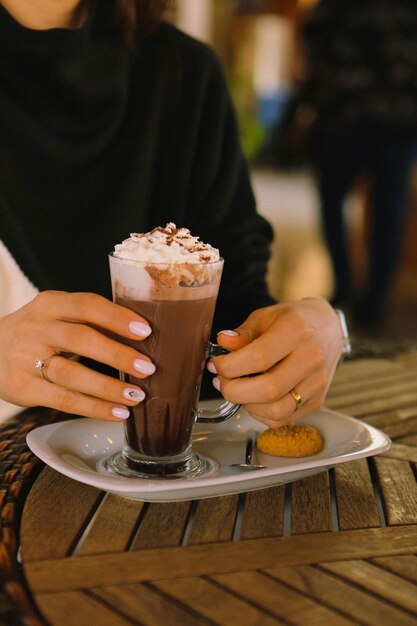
(338, 548)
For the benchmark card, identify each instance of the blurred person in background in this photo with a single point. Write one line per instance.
(360, 89)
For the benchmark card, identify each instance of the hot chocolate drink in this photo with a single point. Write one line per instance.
(161, 426)
(171, 279)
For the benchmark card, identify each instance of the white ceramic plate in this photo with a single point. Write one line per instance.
(76, 448)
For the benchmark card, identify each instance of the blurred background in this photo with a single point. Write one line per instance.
(258, 42)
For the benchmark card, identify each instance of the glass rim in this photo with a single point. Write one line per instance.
(111, 255)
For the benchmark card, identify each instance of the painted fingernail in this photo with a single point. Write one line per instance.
(140, 329)
(216, 383)
(144, 367)
(120, 413)
(231, 333)
(211, 367)
(135, 395)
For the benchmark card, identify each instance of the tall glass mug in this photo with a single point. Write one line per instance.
(178, 301)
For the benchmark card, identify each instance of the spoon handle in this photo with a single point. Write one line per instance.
(250, 451)
(251, 462)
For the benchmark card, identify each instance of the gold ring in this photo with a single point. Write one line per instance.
(297, 397)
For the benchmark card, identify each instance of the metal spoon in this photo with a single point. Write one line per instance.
(250, 451)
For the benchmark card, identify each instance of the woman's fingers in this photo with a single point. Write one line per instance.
(286, 409)
(75, 403)
(90, 343)
(274, 332)
(273, 403)
(72, 375)
(90, 308)
(39, 333)
(273, 384)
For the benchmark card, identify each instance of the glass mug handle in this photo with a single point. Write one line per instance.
(225, 410)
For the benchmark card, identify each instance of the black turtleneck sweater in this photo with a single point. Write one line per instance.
(98, 140)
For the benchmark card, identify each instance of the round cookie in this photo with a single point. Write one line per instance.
(291, 440)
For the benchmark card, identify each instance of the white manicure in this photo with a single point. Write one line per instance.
(144, 367)
(120, 413)
(211, 367)
(140, 329)
(216, 383)
(135, 395)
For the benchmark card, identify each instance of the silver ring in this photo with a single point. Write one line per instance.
(42, 365)
(297, 397)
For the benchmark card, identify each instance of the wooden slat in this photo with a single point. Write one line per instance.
(207, 559)
(407, 359)
(215, 603)
(365, 383)
(163, 526)
(358, 375)
(263, 513)
(402, 429)
(399, 490)
(366, 387)
(389, 418)
(397, 386)
(214, 520)
(364, 369)
(382, 404)
(402, 452)
(356, 505)
(382, 583)
(65, 505)
(306, 517)
(410, 440)
(334, 592)
(279, 599)
(142, 603)
(406, 566)
(369, 370)
(113, 526)
(74, 608)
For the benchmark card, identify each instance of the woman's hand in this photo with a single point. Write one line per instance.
(279, 348)
(81, 324)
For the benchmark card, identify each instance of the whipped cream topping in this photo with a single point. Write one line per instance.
(166, 245)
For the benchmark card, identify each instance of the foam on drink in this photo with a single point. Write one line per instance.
(165, 259)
